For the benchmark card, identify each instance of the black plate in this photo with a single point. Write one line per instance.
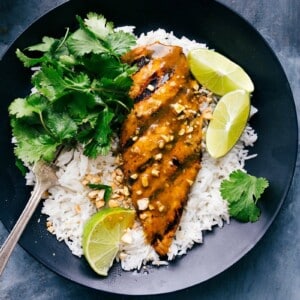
(276, 124)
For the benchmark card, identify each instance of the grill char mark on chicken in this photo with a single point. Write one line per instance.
(161, 140)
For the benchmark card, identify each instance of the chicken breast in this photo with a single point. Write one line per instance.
(161, 140)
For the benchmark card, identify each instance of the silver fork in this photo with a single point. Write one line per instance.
(45, 178)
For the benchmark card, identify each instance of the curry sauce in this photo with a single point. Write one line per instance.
(161, 140)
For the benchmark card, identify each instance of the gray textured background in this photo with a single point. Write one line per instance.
(272, 269)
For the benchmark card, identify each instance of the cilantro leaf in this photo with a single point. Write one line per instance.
(29, 62)
(21, 167)
(52, 83)
(34, 149)
(101, 142)
(80, 82)
(20, 108)
(52, 49)
(120, 42)
(242, 192)
(26, 107)
(103, 65)
(81, 43)
(98, 25)
(61, 125)
(47, 43)
(97, 36)
(68, 60)
(33, 143)
(37, 102)
(80, 105)
(49, 82)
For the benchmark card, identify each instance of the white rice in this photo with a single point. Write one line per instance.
(205, 208)
(62, 205)
(168, 38)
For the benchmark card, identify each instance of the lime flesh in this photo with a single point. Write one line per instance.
(218, 73)
(228, 123)
(102, 235)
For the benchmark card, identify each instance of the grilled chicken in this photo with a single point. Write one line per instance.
(161, 140)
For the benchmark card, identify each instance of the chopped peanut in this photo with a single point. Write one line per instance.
(134, 176)
(161, 144)
(161, 208)
(50, 229)
(126, 191)
(158, 156)
(99, 203)
(178, 108)
(145, 181)
(181, 131)
(127, 237)
(190, 182)
(113, 203)
(143, 216)
(155, 172)
(93, 194)
(207, 114)
(150, 87)
(195, 85)
(143, 203)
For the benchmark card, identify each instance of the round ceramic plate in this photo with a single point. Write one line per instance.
(206, 21)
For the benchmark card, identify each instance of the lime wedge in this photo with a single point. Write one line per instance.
(228, 122)
(217, 73)
(102, 235)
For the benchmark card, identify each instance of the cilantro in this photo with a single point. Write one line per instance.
(45, 46)
(242, 191)
(33, 142)
(102, 132)
(20, 166)
(107, 189)
(80, 91)
(27, 61)
(20, 108)
(98, 25)
(61, 124)
(120, 42)
(81, 43)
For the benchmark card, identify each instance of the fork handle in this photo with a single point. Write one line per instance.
(20, 225)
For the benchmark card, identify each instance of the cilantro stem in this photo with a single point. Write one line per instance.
(64, 38)
(120, 103)
(79, 88)
(114, 91)
(44, 125)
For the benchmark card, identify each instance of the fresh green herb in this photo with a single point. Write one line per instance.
(21, 167)
(80, 91)
(242, 192)
(107, 189)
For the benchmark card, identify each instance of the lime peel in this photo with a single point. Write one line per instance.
(218, 73)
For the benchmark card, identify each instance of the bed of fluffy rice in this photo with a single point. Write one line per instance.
(205, 207)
